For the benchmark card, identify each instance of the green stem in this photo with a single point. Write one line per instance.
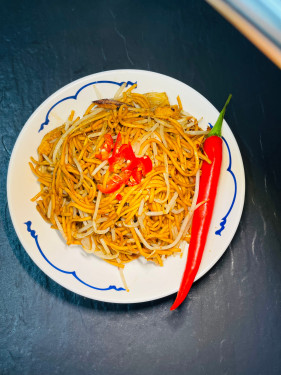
(216, 130)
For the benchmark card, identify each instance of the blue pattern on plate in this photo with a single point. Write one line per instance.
(223, 220)
(73, 273)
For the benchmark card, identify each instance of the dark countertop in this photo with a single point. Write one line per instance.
(230, 323)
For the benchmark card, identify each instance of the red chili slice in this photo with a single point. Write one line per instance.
(123, 159)
(146, 164)
(118, 144)
(135, 178)
(128, 168)
(106, 148)
(115, 182)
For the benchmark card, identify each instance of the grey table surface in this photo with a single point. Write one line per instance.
(230, 323)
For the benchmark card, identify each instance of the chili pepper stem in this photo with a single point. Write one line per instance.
(216, 130)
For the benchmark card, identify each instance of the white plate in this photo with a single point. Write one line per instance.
(71, 266)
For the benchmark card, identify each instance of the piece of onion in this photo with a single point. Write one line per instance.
(85, 227)
(141, 207)
(49, 209)
(113, 235)
(99, 231)
(196, 191)
(154, 213)
(101, 255)
(137, 145)
(83, 235)
(122, 276)
(97, 91)
(175, 232)
(132, 225)
(163, 136)
(140, 220)
(59, 226)
(119, 91)
(48, 160)
(93, 135)
(102, 220)
(102, 164)
(130, 240)
(105, 246)
(163, 122)
(176, 212)
(97, 204)
(172, 203)
(85, 242)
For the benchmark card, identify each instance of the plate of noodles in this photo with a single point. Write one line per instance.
(103, 182)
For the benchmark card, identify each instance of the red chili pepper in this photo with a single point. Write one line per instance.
(210, 174)
(139, 167)
(130, 168)
(118, 144)
(119, 197)
(146, 164)
(135, 178)
(115, 182)
(106, 148)
(120, 155)
(127, 152)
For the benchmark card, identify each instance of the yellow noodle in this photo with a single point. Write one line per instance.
(69, 192)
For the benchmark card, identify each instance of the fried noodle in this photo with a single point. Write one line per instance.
(153, 217)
